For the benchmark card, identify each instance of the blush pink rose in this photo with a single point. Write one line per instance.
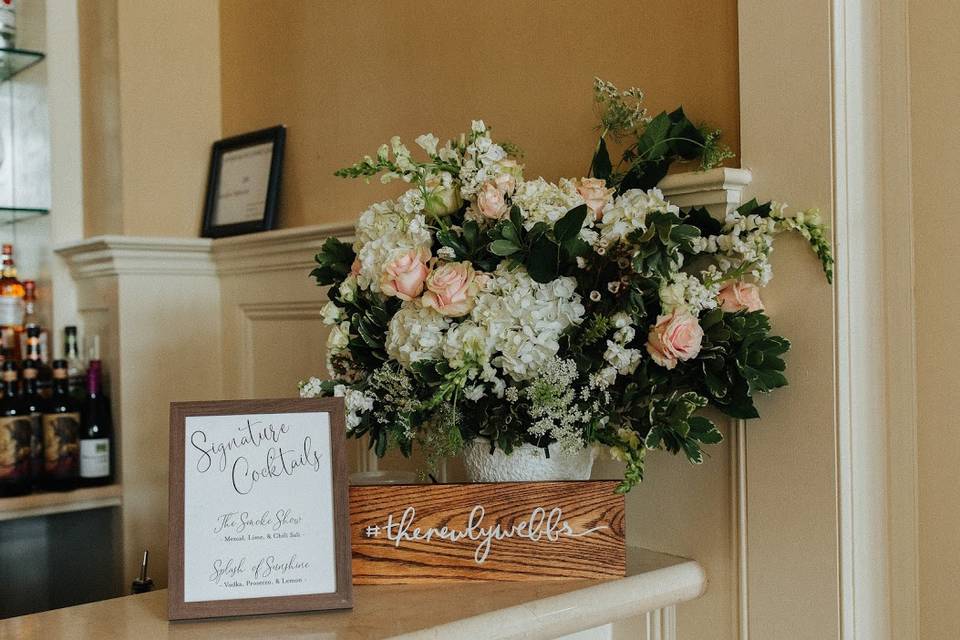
(674, 338)
(355, 267)
(507, 180)
(740, 296)
(595, 194)
(491, 202)
(405, 274)
(451, 289)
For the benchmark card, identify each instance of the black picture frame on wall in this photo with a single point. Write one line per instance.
(243, 188)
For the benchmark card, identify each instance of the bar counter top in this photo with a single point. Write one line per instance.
(449, 610)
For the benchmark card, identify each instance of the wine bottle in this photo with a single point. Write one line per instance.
(96, 432)
(15, 433)
(32, 352)
(75, 370)
(11, 304)
(33, 405)
(61, 434)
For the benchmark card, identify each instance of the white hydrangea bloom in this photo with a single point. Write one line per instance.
(524, 319)
(416, 333)
(628, 213)
(542, 201)
(382, 230)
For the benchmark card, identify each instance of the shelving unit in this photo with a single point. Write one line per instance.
(13, 61)
(23, 136)
(47, 503)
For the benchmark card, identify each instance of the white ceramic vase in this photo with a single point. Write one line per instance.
(526, 463)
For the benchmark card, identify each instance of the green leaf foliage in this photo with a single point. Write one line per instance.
(667, 138)
(601, 166)
(333, 262)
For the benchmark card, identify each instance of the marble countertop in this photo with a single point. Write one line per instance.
(494, 610)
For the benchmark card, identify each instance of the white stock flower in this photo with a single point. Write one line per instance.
(311, 388)
(330, 313)
(629, 211)
(622, 359)
(355, 402)
(339, 337)
(480, 163)
(428, 142)
(416, 333)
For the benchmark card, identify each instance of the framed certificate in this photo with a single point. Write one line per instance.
(244, 183)
(259, 518)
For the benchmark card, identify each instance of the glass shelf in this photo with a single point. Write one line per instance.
(11, 215)
(13, 61)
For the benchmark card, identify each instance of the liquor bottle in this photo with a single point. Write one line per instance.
(96, 432)
(11, 304)
(76, 373)
(15, 433)
(32, 346)
(30, 316)
(61, 434)
(33, 406)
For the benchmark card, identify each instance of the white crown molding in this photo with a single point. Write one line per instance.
(103, 256)
(274, 250)
(285, 249)
(720, 186)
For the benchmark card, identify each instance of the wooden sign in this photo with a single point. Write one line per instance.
(258, 508)
(512, 532)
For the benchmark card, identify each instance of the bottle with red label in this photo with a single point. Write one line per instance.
(16, 435)
(61, 434)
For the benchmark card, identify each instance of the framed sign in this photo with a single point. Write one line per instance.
(259, 517)
(512, 532)
(244, 183)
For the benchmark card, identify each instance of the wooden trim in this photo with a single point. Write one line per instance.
(47, 503)
(900, 306)
(339, 599)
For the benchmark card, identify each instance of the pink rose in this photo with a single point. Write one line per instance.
(675, 337)
(491, 202)
(507, 180)
(739, 296)
(595, 194)
(355, 267)
(405, 274)
(451, 289)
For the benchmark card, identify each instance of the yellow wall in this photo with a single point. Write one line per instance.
(345, 76)
(150, 74)
(935, 93)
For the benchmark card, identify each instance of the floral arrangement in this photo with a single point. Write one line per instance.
(482, 304)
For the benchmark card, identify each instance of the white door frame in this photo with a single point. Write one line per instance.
(854, 67)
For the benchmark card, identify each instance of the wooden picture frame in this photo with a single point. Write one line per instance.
(213, 416)
(243, 186)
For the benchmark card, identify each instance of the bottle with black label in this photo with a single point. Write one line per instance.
(61, 434)
(96, 432)
(33, 404)
(15, 435)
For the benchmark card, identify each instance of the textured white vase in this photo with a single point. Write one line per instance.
(526, 463)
